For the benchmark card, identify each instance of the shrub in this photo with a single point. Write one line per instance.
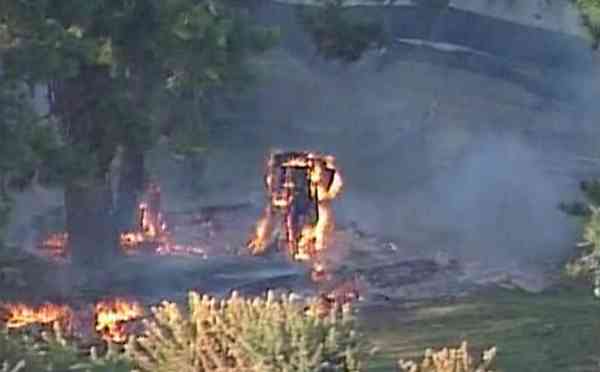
(261, 335)
(52, 352)
(339, 34)
(450, 360)
(590, 11)
(587, 264)
(16, 368)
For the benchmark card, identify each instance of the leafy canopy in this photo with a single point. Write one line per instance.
(115, 68)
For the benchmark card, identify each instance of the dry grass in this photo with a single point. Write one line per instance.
(450, 360)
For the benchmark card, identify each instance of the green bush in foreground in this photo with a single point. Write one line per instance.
(232, 335)
(261, 335)
(53, 353)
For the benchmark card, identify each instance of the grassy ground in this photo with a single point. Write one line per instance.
(554, 331)
(590, 10)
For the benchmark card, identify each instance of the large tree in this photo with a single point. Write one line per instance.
(118, 73)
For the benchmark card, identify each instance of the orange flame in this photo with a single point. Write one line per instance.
(151, 227)
(258, 243)
(111, 317)
(20, 315)
(306, 241)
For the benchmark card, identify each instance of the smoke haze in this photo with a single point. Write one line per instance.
(440, 147)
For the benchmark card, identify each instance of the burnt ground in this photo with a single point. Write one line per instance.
(384, 271)
(411, 301)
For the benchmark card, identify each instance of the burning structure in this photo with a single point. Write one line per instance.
(300, 186)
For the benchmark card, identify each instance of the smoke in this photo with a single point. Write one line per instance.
(440, 149)
(500, 203)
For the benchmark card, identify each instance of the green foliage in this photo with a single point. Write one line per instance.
(587, 262)
(591, 193)
(590, 11)
(340, 34)
(53, 352)
(114, 68)
(26, 143)
(238, 334)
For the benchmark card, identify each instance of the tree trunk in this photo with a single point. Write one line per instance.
(130, 187)
(93, 238)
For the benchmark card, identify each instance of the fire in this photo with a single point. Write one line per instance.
(151, 233)
(152, 228)
(263, 229)
(131, 240)
(55, 245)
(301, 186)
(20, 315)
(111, 317)
(319, 272)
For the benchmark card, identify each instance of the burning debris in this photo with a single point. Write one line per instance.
(152, 229)
(301, 186)
(113, 315)
(151, 235)
(20, 315)
(110, 317)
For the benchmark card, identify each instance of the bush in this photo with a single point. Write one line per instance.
(261, 335)
(339, 34)
(587, 262)
(450, 360)
(590, 11)
(54, 353)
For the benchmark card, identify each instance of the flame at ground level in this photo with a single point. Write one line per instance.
(20, 315)
(110, 317)
(151, 234)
